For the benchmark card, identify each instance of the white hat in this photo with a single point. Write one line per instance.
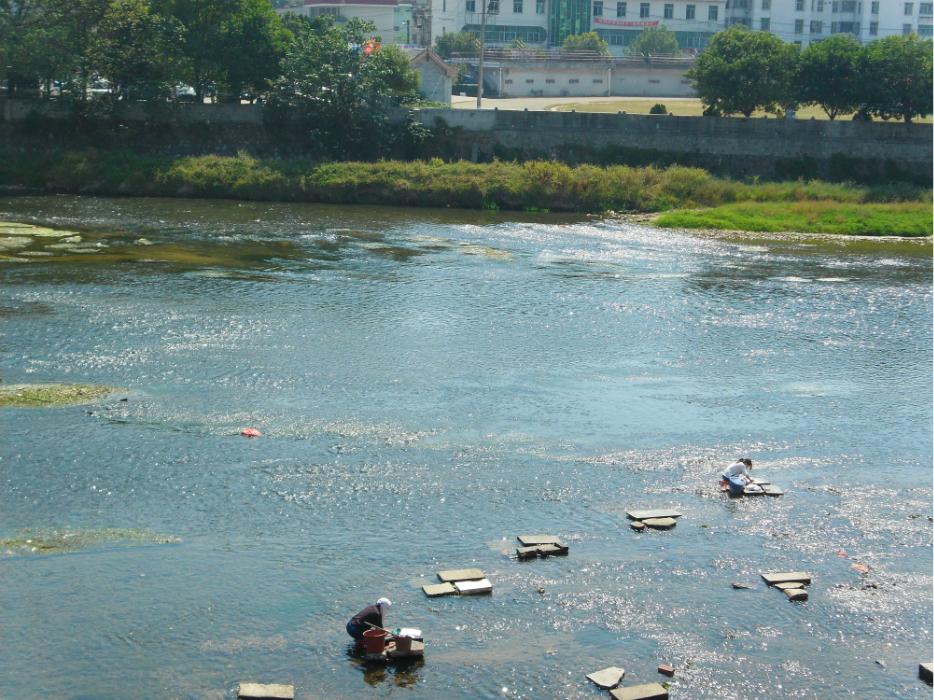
(383, 605)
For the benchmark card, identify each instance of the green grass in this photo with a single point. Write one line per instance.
(855, 219)
(531, 186)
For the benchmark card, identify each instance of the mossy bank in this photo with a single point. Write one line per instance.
(39, 395)
(529, 186)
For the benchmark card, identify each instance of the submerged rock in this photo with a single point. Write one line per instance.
(30, 395)
(48, 541)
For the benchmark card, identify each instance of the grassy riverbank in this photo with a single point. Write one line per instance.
(533, 186)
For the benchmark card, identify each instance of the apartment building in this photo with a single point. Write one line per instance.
(804, 21)
(546, 23)
(380, 12)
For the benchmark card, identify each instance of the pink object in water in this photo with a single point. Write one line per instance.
(861, 568)
(250, 432)
(841, 553)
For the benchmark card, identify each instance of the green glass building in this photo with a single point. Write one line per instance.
(568, 17)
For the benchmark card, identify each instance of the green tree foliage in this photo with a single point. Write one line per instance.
(828, 75)
(462, 43)
(895, 73)
(658, 108)
(656, 40)
(135, 51)
(335, 85)
(742, 71)
(589, 42)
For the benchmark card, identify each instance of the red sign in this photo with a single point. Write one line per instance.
(624, 23)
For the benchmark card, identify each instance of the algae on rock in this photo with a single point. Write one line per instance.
(28, 395)
(49, 541)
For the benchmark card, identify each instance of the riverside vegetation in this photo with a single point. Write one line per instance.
(898, 209)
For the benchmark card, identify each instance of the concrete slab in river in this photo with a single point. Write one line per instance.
(455, 575)
(607, 678)
(534, 540)
(651, 691)
(474, 587)
(660, 523)
(798, 594)
(787, 577)
(770, 490)
(527, 552)
(260, 691)
(790, 584)
(648, 514)
(439, 589)
(926, 672)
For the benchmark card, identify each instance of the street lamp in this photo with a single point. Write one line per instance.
(493, 9)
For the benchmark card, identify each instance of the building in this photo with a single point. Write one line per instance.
(547, 22)
(380, 12)
(437, 76)
(804, 21)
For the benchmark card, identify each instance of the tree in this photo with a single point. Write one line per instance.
(742, 71)
(828, 75)
(135, 50)
(462, 43)
(335, 85)
(589, 42)
(655, 40)
(895, 73)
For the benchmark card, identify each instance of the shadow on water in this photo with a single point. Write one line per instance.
(399, 673)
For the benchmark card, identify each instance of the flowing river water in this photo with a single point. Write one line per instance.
(430, 384)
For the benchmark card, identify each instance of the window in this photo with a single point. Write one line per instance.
(799, 5)
(909, 8)
(844, 28)
(549, 80)
(644, 10)
(655, 81)
(689, 12)
(573, 80)
(873, 29)
(539, 7)
(712, 12)
(493, 7)
(848, 6)
(926, 9)
(517, 7)
(530, 81)
(766, 4)
(598, 80)
(926, 30)
(906, 29)
(836, 6)
(444, 5)
(817, 27)
(598, 8)
(875, 7)
(799, 26)
(764, 24)
(820, 5)
(471, 5)
(507, 81)
(669, 11)
(620, 9)
(740, 4)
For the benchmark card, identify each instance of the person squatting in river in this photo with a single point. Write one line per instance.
(737, 473)
(372, 614)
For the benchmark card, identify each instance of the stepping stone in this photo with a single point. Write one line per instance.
(417, 650)
(742, 587)
(607, 678)
(652, 691)
(761, 482)
(473, 587)
(552, 550)
(789, 585)
(753, 491)
(789, 577)
(796, 594)
(667, 670)
(770, 490)
(535, 540)
(460, 575)
(637, 525)
(926, 672)
(527, 552)
(646, 514)
(272, 691)
(660, 523)
(439, 589)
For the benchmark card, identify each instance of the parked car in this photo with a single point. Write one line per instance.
(185, 93)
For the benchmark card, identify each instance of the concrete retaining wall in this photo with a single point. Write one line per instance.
(19, 110)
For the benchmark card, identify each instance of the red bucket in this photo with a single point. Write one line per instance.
(375, 641)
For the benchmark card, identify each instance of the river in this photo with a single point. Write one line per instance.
(429, 385)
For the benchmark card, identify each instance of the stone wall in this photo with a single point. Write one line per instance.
(737, 146)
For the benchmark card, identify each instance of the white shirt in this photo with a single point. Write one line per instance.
(734, 470)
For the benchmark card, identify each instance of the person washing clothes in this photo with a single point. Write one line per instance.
(373, 614)
(736, 476)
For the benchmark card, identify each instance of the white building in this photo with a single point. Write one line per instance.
(804, 21)
(380, 12)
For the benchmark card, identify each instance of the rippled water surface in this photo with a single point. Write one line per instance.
(431, 384)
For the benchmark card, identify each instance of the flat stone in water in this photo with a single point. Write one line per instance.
(552, 550)
(789, 585)
(666, 670)
(439, 589)
(786, 577)
(474, 587)
(770, 490)
(796, 594)
(647, 514)
(527, 552)
(926, 672)
(607, 678)
(535, 540)
(271, 691)
(742, 587)
(637, 525)
(651, 691)
(660, 523)
(460, 575)
(761, 482)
